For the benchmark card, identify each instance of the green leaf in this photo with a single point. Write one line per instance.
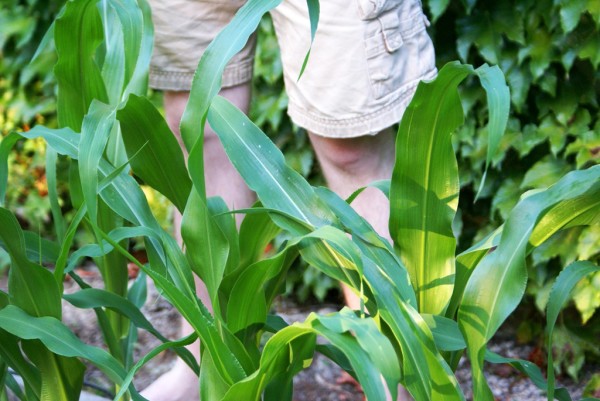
(58, 219)
(502, 276)
(148, 137)
(559, 295)
(156, 351)
(256, 232)
(424, 188)
(60, 340)
(207, 83)
(263, 166)
(570, 13)
(31, 286)
(531, 370)
(498, 98)
(95, 131)
(6, 146)
(446, 334)
(437, 8)
(96, 298)
(138, 83)
(545, 172)
(247, 303)
(313, 15)
(369, 353)
(206, 244)
(380, 350)
(62, 378)
(113, 65)
(77, 34)
(10, 353)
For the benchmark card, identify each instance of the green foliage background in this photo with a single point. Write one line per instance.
(548, 49)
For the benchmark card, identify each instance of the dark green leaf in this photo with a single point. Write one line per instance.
(158, 158)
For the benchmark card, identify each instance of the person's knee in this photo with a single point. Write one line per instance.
(365, 154)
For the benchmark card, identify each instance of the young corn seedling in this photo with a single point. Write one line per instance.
(423, 304)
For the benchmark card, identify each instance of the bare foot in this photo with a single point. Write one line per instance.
(178, 384)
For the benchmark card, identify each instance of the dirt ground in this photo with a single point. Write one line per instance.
(323, 381)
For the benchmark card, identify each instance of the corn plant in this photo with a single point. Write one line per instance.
(422, 305)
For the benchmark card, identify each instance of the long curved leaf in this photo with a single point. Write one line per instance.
(263, 167)
(207, 80)
(32, 287)
(424, 187)
(77, 35)
(559, 295)
(60, 340)
(161, 348)
(6, 145)
(279, 359)
(497, 284)
(96, 298)
(159, 161)
(95, 131)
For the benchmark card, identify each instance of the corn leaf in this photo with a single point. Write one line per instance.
(497, 284)
(60, 340)
(559, 295)
(62, 378)
(60, 225)
(263, 167)
(207, 245)
(113, 63)
(95, 131)
(158, 158)
(291, 349)
(424, 187)
(138, 83)
(154, 352)
(77, 34)
(6, 145)
(207, 81)
(247, 303)
(96, 298)
(31, 286)
(10, 353)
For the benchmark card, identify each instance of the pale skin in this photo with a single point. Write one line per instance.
(347, 164)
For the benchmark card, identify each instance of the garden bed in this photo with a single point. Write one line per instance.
(323, 381)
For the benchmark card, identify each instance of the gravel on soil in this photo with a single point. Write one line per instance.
(323, 380)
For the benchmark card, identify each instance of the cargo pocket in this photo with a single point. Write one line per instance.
(395, 38)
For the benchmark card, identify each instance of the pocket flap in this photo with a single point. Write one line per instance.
(390, 27)
(371, 9)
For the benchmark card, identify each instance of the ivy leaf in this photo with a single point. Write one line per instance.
(590, 50)
(593, 7)
(475, 29)
(437, 8)
(539, 48)
(570, 13)
(519, 80)
(506, 197)
(587, 296)
(545, 172)
(586, 147)
(531, 137)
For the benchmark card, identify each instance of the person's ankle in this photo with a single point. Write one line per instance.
(178, 384)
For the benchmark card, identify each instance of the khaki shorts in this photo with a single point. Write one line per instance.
(366, 60)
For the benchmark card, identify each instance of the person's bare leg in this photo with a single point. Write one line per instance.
(180, 383)
(351, 163)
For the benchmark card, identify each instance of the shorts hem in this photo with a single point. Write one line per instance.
(234, 74)
(370, 124)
